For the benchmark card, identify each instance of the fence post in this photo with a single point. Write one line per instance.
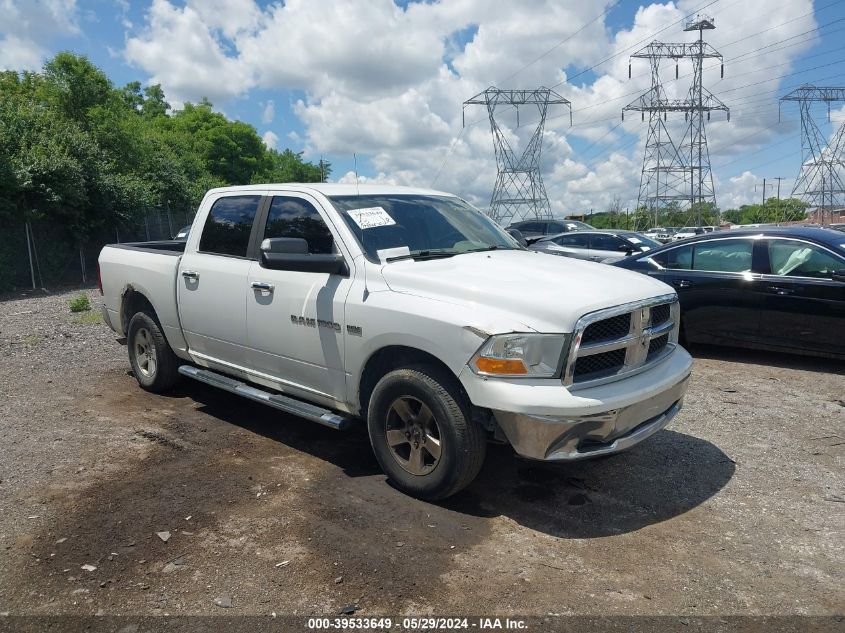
(29, 252)
(169, 221)
(82, 264)
(146, 227)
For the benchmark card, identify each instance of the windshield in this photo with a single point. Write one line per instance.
(429, 226)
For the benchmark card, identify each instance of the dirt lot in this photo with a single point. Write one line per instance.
(737, 508)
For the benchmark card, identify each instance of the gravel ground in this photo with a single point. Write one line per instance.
(736, 509)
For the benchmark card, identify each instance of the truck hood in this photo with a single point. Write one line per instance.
(546, 293)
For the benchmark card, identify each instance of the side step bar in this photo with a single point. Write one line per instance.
(283, 403)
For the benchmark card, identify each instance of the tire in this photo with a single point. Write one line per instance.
(403, 434)
(154, 364)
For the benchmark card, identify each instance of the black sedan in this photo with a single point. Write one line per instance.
(770, 288)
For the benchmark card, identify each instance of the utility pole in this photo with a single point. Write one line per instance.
(764, 185)
(778, 178)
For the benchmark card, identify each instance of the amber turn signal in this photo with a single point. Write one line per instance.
(500, 366)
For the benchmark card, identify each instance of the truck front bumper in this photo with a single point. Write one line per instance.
(546, 421)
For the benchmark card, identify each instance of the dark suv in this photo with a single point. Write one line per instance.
(539, 228)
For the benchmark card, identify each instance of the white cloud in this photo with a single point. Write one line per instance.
(268, 113)
(388, 82)
(270, 138)
(179, 50)
(26, 26)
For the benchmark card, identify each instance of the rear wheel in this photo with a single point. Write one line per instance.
(154, 364)
(422, 434)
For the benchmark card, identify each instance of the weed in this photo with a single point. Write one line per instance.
(80, 304)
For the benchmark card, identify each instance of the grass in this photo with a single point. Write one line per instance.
(80, 304)
(92, 317)
(31, 340)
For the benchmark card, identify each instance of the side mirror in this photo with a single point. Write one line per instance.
(839, 275)
(517, 235)
(291, 253)
(625, 248)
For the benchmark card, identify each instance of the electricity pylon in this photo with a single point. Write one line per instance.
(677, 173)
(519, 192)
(821, 181)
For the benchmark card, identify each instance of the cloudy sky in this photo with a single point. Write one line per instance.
(386, 79)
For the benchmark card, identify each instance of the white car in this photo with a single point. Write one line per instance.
(688, 231)
(407, 309)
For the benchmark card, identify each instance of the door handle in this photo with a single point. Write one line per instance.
(681, 283)
(260, 285)
(190, 274)
(781, 290)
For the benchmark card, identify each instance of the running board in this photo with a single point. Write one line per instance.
(283, 403)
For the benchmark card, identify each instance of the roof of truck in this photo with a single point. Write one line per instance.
(335, 189)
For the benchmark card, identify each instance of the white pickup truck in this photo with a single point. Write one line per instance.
(410, 310)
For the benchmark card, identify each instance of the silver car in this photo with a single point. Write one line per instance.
(596, 246)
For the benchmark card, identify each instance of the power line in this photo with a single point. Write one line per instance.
(561, 42)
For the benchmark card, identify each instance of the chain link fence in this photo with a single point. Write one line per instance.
(42, 254)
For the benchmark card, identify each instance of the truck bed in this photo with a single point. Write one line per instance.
(150, 268)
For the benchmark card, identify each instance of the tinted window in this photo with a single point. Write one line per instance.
(724, 256)
(531, 227)
(572, 239)
(675, 258)
(555, 227)
(602, 242)
(295, 217)
(228, 225)
(799, 259)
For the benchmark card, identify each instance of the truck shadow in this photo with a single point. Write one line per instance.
(668, 475)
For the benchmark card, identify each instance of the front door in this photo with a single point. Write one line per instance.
(295, 320)
(804, 306)
(212, 282)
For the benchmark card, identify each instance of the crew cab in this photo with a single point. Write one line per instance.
(409, 310)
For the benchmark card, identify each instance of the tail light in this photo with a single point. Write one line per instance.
(99, 280)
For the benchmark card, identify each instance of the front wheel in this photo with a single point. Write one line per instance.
(422, 434)
(154, 364)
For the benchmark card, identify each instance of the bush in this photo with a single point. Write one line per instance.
(80, 304)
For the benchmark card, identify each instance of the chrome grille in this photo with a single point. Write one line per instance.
(611, 343)
(660, 314)
(607, 329)
(599, 364)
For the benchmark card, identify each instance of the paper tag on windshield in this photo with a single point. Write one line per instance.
(371, 217)
(385, 254)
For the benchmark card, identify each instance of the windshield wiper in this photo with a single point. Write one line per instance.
(422, 255)
(492, 247)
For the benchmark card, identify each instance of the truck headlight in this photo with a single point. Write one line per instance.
(520, 355)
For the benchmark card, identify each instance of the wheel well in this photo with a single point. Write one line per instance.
(393, 357)
(134, 302)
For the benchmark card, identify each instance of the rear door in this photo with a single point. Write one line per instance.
(573, 244)
(212, 281)
(803, 307)
(295, 320)
(717, 288)
(603, 246)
